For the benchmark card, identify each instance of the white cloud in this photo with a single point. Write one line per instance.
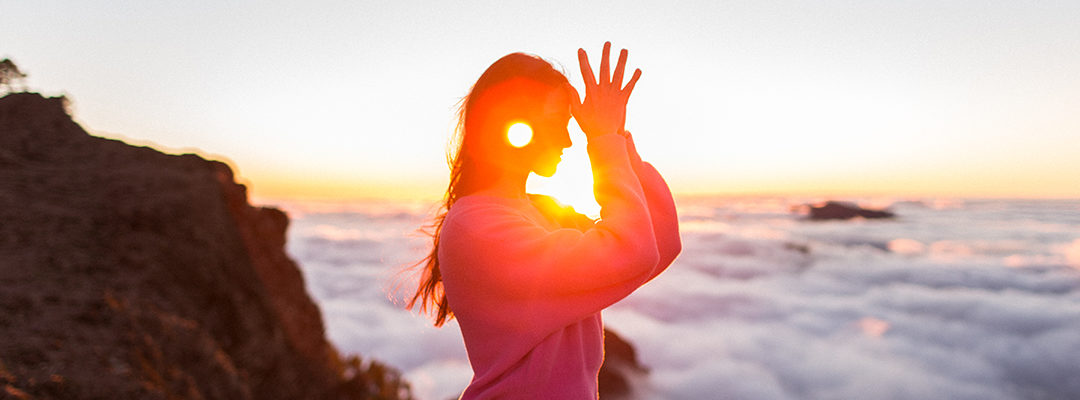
(906, 246)
(758, 307)
(1072, 253)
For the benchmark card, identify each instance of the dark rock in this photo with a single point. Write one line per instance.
(621, 368)
(841, 210)
(126, 273)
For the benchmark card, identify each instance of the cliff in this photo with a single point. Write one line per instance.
(128, 273)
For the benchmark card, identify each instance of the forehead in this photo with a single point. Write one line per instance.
(521, 98)
(556, 104)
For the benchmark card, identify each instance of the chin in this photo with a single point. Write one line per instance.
(546, 170)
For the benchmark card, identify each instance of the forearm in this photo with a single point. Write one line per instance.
(624, 210)
(661, 206)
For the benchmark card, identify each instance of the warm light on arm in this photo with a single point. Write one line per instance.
(519, 134)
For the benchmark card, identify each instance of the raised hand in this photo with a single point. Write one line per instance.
(604, 109)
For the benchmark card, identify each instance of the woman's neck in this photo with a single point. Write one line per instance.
(509, 184)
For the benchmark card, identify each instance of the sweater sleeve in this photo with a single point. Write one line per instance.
(512, 257)
(661, 205)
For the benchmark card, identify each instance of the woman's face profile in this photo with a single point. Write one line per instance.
(550, 135)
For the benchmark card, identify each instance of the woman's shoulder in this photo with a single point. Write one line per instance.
(474, 203)
(480, 211)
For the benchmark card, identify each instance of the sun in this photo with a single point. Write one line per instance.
(519, 134)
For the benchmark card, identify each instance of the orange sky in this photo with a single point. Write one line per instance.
(347, 100)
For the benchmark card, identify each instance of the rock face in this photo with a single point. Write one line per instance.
(126, 273)
(620, 369)
(841, 210)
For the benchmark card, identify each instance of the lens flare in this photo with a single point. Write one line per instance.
(519, 134)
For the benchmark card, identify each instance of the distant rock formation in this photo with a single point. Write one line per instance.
(126, 273)
(841, 210)
(620, 369)
(621, 366)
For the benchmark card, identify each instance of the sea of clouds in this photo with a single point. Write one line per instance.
(956, 299)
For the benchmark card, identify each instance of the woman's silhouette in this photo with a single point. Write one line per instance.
(527, 279)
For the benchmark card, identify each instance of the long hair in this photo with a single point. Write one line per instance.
(469, 169)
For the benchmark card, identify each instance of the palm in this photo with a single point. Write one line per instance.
(604, 109)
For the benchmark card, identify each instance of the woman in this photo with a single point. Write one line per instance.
(527, 280)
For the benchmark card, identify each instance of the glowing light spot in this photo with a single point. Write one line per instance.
(519, 134)
(873, 327)
(1072, 254)
(572, 183)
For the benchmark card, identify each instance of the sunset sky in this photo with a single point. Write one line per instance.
(355, 99)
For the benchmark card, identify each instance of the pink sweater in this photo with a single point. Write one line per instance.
(527, 292)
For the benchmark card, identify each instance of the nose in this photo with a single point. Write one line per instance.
(564, 139)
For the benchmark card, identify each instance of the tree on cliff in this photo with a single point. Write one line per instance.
(9, 74)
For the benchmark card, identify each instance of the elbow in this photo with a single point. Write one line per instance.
(668, 252)
(671, 252)
(648, 257)
(669, 243)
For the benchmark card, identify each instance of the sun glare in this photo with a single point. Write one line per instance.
(519, 134)
(572, 183)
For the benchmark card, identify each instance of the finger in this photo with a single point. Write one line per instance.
(616, 78)
(605, 61)
(630, 85)
(586, 72)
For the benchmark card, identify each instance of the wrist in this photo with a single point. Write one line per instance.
(602, 135)
(605, 132)
(631, 149)
(606, 141)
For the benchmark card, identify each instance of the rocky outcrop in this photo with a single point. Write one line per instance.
(126, 273)
(621, 368)
(841, 210)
